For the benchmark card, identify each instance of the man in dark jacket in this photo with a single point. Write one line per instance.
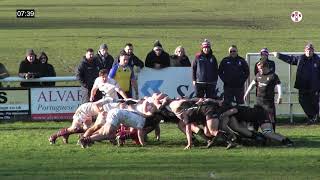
(264, 52)
(157, 58)
(103, 58)
(233, 71)
(205, 72)
(307, 80)
(133, 59)
(29, 69)
(3, 72)
(47, 70)
(86, 73)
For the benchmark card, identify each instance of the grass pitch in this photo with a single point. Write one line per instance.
(65, 28)
(26, 154)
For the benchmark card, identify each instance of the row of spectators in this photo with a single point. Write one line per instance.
(233, 71)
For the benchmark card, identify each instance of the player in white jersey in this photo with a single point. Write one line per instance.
(108, 86)
(101, 119)
(82, 120)
(134, 118)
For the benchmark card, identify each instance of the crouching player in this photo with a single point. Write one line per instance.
(260, 119)
(135, 119)
(82, 120)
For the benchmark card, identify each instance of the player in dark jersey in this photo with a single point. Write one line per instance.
(265, 82)
(260, 118)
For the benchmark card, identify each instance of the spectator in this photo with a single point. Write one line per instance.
(103, 58)
(265, 82)
(133, 59)
(3, 72)
(233, 71)
(86, 73)
(157, 58)
(30, 69)
(307, 80)
(179, 59)
(205, 71)
(264, 52)
(47, 70)
(123, 74)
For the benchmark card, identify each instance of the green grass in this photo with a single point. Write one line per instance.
(26, 154)
(65, 28)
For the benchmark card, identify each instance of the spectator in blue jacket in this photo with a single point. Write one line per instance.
(205, 72)
(233, 71)
(307, 80)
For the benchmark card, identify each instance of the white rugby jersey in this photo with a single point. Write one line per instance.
(109, 88)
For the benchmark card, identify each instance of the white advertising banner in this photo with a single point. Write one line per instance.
(174, 81)
(55, 102)
(14, 102)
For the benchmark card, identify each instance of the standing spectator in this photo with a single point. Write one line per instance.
(233, 71)
(307, 80)
(264, 52)
(47, 70)
(103, 58)
(179, 58)
(3, 72)
(87, 72)
(265, 82)
(133, 59)
(205, 71)
(30, 69)
(123, 74)
(157, 58)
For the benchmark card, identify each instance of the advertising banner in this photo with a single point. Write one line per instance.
(174, 81)
(54, 103)
(14, 102)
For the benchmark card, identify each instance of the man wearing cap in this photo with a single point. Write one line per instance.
(233, 71)
(29, 69)
(157, 58)
(205, 72)
(264, 52)
(86, 73)
(103, 58)
(307, 80)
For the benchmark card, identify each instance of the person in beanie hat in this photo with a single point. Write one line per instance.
(264, 53)
(205, 72)
(103, 58)
(307, 80)
(157, 58)
(29, 69)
